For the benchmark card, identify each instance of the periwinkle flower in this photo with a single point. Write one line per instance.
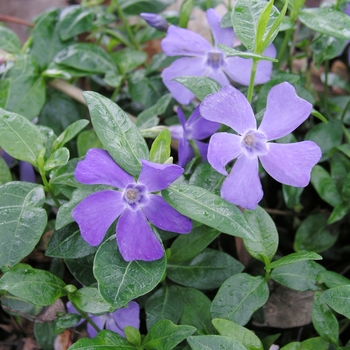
(115, 321)
(134, 203)
(155, 21)
(289, 164)
(195, 128)
(206, 60)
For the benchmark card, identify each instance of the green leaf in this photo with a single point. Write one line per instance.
(214, 342)
(103, 340)
(63, 322)
(87, 139)
(239, 297)
(313, 235)
(332, 279)
(209, 209)
(186, 247)
(45, 335)
(5, 85)
(338, 299)
(39, 287)
(74, 20)
(85, 57)
(292, 195)
(59, 158)
(128, 60)
(135, 7)
(81, 269)
(262, 25)
(9, 40)
(293, 258)
(229, 51)
(200, 86)
(22, 220)
(309, 344)
(116, 131)
(208, 270)
(5, 173)
(160, 150)
(204, 175)
(89, 300)
(233, 330)
(165, 335)
(165, 303)
(19, 137)
(120, 281)
(67, 242)
(185, 12)
(299, 276)
(132, 335)
(324, 320)
(327, 21)
(265, 245)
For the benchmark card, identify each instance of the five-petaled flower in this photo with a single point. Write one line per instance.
(195, 128)
(115, 321)
(289, 164)
(203, 59)
(134, 202)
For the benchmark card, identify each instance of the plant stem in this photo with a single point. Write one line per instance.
(48, 187)
(252, 79)
(284, 46)
(326, 87)
(344, 111)
(87, 317)
(207, 4)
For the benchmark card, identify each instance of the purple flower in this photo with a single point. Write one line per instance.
(155, 21)
(115, 321)
(203, 59)
(195, 128)
(133, 203)
(290, 164)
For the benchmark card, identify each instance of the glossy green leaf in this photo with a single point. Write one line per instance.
(66, 321)
(233, 330)
(22, 220)
(338, 299)
(5, 173)
(39, 287)
(128, 60)
(265, 245)
(204, 175)
(200, 86)
(89, 300)
(120, 281)
(81, 269)
(292, 195)
(132, 335)
(209, 209)
(19, 137)
(135, 7)
(103, 340)
(160, 150)
(324, 320)
(293, 258)
(239, 297)
(208, 270)
(117, 133)
(165, 303)
(67, 242)
(229, 51)
(9, 40)
(5, 85)
(309, 344)
(214, 342)
(165, 335)
(299, 276)
(85, 57)
(332, 279)
(58, 158)
(326, 21)
(45, 335)
(87, 139)
(185, 12)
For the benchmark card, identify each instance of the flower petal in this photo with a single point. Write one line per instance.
(203, 149)
(26, 172)
(218, 75)
(185, 152)
(186, 66)
(285, 111)
(99, 167)
(96, 213)
(162, 215)
(136, 240)
(243, 187)
(182, 118)
(127, 316)
(230, 107)
(176, 131)
(291, 164)
(157, 177)
(223, 147)
(100, 323)
(221, 35)
(184, 42)
(200, 128)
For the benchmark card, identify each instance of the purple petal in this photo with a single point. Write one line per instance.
(221, 35)
(127, 316)
(181, 117)
(98, 167)
(291, 164)
(100, 322)
(186, 66)
(157, 177)
(112, 326)
(243, 187)
(155, 21)
(162, 215)
(26, 172)
(201, 128)
(285, 111)
(7, 158)
(223, 147)
(136, 240)
(96, 213)
(184, 42)
(230, 107)
(176, 131)
(185, 152)
(203, 149)
(219, 76)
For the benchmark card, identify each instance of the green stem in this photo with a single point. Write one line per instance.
(326, 87)
(344, 111)
(252, 79)
(283, 48)
(207, 4)
(229, 5)
(87, 317)
(47, 187)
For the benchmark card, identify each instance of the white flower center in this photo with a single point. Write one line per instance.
(254, 143)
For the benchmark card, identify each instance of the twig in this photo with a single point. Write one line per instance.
(6, 18)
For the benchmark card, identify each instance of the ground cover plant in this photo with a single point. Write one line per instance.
(190, 195)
